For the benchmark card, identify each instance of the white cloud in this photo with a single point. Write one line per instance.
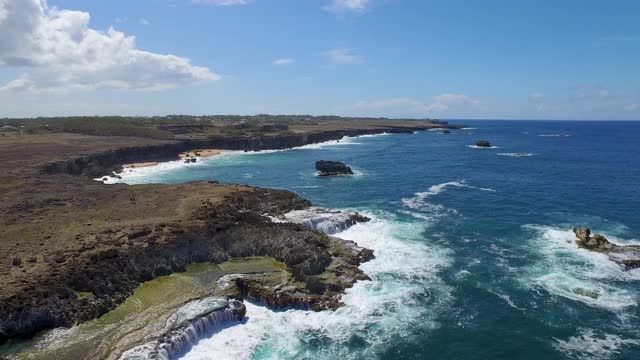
(343, 56)
(591, 92)
(58, 51)
(409, 104)
(284, 61)
(144, 22)
(536, 97)
(445, 103)
(343, 6)
(221, 2)
(632, 107)
(3, 11)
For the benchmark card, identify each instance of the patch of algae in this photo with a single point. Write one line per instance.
(81, 295)
(141, 317)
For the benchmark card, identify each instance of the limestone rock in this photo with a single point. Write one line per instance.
(332, 168)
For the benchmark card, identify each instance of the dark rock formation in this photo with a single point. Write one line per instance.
(324, 220)
(233, 228)
(627, 256)
(483, 143)
(446, 132)
(332, 168)
(596, 242)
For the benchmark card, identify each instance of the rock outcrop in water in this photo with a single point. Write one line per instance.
(483, 143)
(332, 168)
(627, 256)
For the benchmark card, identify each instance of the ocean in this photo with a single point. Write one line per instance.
(474, 252)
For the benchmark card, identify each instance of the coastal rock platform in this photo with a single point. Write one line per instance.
(627, 256)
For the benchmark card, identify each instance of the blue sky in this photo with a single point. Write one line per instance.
(502, 59)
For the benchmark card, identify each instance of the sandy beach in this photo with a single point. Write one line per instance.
(139, 165)
(203, 153)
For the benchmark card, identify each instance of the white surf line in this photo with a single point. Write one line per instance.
(594, 345)
(136, 175)
(375, 310)
(419, 201)
(577, 274)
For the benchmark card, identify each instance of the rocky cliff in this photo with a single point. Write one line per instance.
(239, 226)
(103, 163)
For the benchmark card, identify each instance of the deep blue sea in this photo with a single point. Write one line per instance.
(474, 258)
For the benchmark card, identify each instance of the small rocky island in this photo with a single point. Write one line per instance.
(332, 168)
(627, 256)
(483, 144)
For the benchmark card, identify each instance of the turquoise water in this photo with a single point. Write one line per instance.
(473, 253)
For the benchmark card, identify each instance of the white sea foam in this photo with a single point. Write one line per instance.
(482, 147)
(344, 141)
(578, 274)
(419, 201)
(146, 174)
(517, 154)
(377, 311)
(374, 135)
(506, 299)
(592, 345)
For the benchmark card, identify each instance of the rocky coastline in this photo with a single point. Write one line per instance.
(239, 226)
(100, 262)
(106, 162)
(627, 256)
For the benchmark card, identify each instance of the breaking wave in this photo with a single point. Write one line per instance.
(594, 345)
(516, 154)
(405, 293)
(581, 275)
(554, 135)
(482, 147)
(148, 174)
(419, 201)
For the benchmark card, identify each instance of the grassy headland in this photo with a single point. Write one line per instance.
(72, 248)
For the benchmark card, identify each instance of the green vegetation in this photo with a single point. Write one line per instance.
(109, 127)
(97, 126)
(187, 126)
(132, 322)
(81, 295)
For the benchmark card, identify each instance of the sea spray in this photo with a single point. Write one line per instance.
(150, 174)
(405, 293)
(186, 326)
(324, 220)
(578, 274)
(594, 344)
(419, 201)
